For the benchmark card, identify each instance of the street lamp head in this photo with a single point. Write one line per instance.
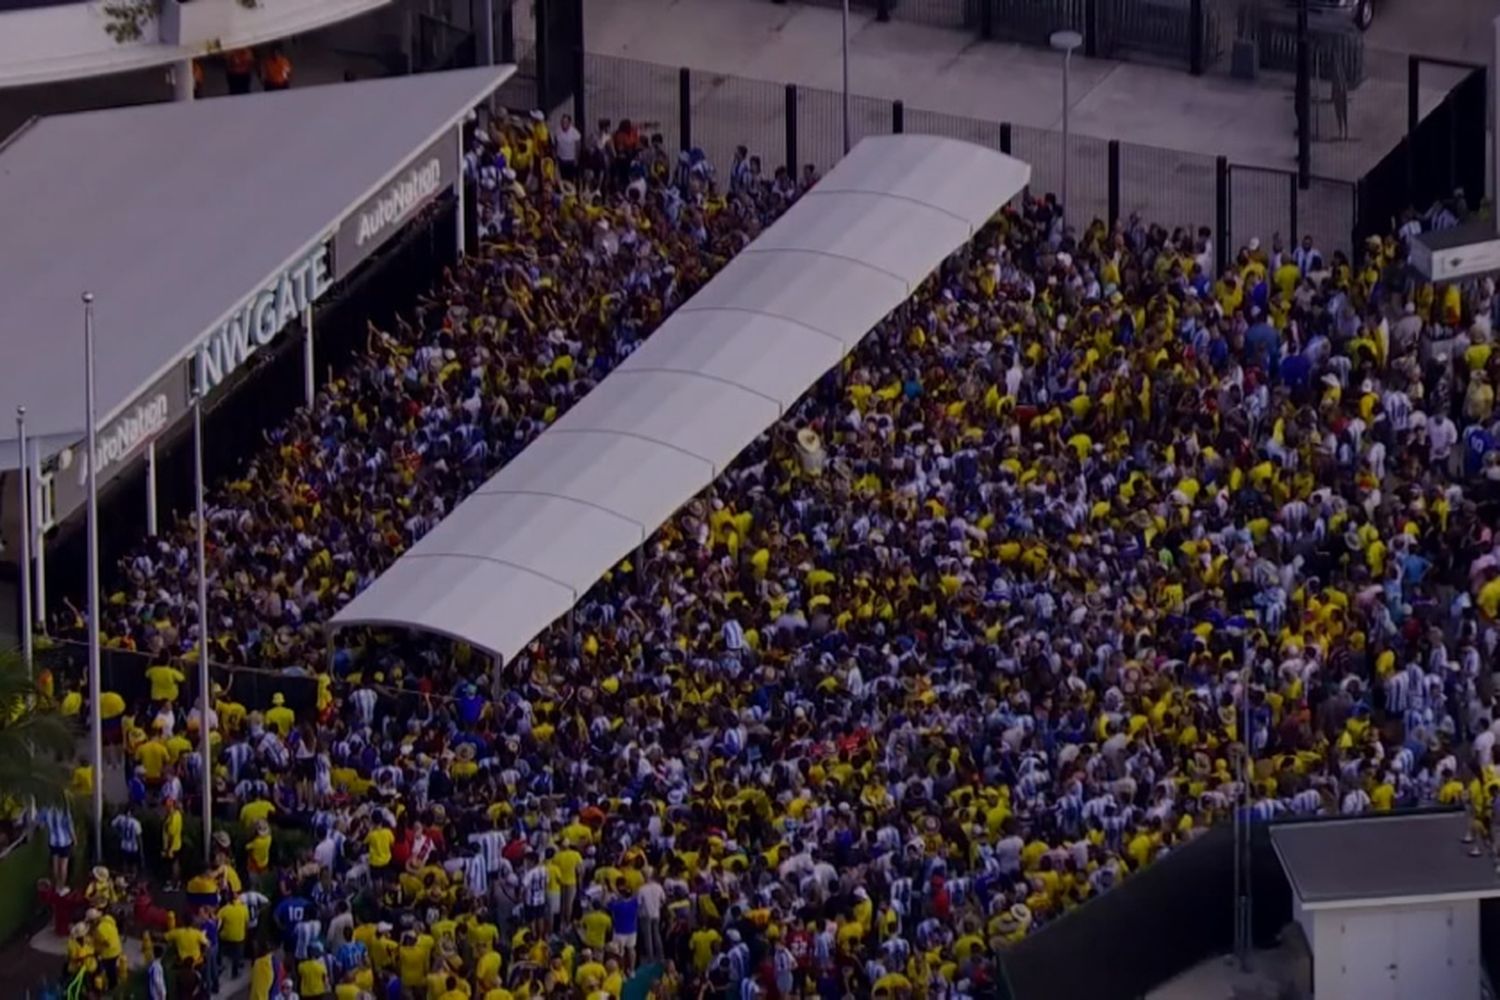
(1066, 41)
(88, 298)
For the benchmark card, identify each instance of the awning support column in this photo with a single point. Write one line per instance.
(458, 189)
(151, 488)
(309, 373)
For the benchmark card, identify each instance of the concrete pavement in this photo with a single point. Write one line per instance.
(948, 70)
(1171, 125)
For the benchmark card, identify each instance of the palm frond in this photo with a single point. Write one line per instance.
(42, 781)
(35, 743)
(46, 733)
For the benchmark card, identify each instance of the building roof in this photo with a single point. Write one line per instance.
(171, 214)
(1365, 861)
(522, 550)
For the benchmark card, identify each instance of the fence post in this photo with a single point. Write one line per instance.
(508, 34)
(685, 107)
(1091, 28)
(1195, 39)
(1413, 84)
(1114, 181)
(1354, 212)
(883, 10)
(986, 19)
(1450, 104)
(545, 98)
(1413, 119)
(791, 129)
(1221, 198)
(1292, 235)
(580, 77)
(1005, 138)
(898, 117)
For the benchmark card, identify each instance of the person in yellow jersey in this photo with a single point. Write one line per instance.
(81, 956)
(595, 927)
(112, 725)
(81, 783)
(107, 946)
(171, 840)
(279, 717)
(190, 945)
(164, 680)
(413, 956)
(263, 972)
(258, 848)
(379, 843)
(153, 757)
(567, 862)
(234, 933)
(703, 944)
(313, 973)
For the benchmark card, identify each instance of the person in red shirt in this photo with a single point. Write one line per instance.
(625, 142)
(942, 904)
(799, 941)
(401, 849)
(275, 70)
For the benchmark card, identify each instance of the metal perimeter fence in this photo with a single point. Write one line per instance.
(123, 671)
(1181, 33)
(793, 126)
(1199, 36)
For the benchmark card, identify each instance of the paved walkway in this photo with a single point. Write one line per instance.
(949, 70)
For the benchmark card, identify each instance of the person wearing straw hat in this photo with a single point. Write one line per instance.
(81, 956)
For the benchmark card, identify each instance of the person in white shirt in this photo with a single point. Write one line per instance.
(568, 142)
(1442, 435)
(650, 896)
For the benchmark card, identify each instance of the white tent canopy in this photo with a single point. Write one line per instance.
(521, 551)
(173, 213)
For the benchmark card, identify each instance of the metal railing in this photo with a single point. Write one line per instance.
(1183, 33)
(795, 126)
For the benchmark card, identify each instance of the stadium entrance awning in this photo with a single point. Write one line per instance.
(204, 229)
(521, 551)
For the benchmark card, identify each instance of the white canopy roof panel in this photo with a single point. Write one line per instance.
(518, 554)
(173, 213)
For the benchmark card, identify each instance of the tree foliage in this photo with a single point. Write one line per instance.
(36, 742)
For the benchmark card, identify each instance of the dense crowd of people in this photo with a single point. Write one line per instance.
(571, 278)
(1088, 545)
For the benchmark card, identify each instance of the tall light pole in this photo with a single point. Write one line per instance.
(205, 743)
(96, 725)
(1065, 42)
(847, 142)
(1247, 907)
(23, 492)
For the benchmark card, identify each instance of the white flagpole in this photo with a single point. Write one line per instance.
(847, 141)
(23, 493)
(204, 700)
(39, 547)
(96, 724)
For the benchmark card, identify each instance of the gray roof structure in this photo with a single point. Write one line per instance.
(1380, 859)
(171, 214)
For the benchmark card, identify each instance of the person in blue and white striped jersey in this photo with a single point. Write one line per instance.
(127, 831)
(305, 934)
(58, 822)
